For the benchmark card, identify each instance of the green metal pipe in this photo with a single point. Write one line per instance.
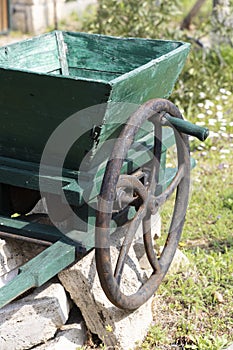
(186, 127)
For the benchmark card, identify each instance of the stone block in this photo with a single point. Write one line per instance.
(117, 328)
(34, 319)
(180, 263)
(71, 337)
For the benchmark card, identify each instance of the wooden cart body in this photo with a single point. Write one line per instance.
(46, 80)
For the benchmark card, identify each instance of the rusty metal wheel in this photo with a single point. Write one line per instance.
(140, 192)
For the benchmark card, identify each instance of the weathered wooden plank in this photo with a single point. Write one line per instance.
(39, 54)
(91, 74)
(26, 174)
(153, 80)
(62, 53)
(30, 229)
(112, 54)
(41, 104)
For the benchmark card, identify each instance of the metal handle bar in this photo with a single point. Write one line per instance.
(186, 127)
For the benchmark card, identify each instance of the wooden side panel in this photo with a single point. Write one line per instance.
(32, 106)
(111, 54)
(155, 80)
(39, 54)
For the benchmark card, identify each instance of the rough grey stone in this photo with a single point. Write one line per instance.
(115, 327)
(70, 337)
(33, 319)
(179, 263)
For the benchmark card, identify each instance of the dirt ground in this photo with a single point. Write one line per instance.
(11, 38)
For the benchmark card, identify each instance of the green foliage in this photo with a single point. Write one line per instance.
(228, 201)
(134, 18)
(222, 22)
(155, 337)
(203, 84)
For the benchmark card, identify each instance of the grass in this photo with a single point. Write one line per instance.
(194, 309)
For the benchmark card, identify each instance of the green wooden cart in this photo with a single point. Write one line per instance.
(85, 127)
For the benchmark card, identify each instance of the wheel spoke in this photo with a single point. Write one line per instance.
(148, 242)
(165, 195)
(155, 164)
(127, 242)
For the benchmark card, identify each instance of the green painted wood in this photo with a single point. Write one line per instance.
(26, 175)
(153, 80)
(44, 99)
(41, 104)
(38, 270)
(62, 53)
(38, 54)
(113, 54)
(30, 229)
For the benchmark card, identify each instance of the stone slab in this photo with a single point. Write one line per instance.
(70, 337)
(116, 328)
(35, 318)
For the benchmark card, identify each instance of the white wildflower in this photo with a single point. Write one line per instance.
(200, 105)
(224, 134)
(231, 124)
(200, 123)
(222, 156)
(225, 151)
(213, 134)
(219, 107)
(201, 116)
(213, 148)
(212, 121)
(209, 112)
(228, 93)
(219, 114)
(202, 94)
(223, 128)
(218, 98)
(223, 91)
(208, 104)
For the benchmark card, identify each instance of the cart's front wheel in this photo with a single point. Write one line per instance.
(139, 191)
